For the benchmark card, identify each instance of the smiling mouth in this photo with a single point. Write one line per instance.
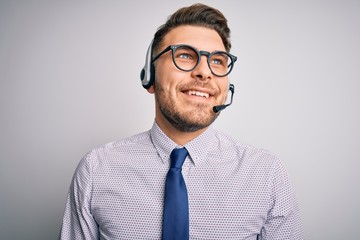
(198, 94)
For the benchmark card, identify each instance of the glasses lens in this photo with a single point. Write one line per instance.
(185, 58)
(220, 63)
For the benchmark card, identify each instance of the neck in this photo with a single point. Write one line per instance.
(179, 137)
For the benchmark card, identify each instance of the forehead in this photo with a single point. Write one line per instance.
(199, 37)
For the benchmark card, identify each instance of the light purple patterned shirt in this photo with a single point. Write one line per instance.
(235, 191)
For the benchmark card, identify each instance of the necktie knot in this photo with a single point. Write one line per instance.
(177, 157)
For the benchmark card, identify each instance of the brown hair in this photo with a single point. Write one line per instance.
(196, 15)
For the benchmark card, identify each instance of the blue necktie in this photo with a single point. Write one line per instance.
(176, 209)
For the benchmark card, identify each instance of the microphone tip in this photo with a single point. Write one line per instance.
(218, 108)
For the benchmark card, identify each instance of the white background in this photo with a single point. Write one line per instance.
(69, 81)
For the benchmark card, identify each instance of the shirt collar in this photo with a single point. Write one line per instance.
(198, 148)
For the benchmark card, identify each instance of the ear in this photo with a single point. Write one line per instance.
(151, 89)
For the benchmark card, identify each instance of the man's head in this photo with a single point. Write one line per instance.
(188, 83)
(194, 15)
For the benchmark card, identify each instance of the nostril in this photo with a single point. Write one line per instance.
(203, 77)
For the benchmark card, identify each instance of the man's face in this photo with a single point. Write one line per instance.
(185, 99)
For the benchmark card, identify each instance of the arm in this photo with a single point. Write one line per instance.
(283, 221)
(78, 222)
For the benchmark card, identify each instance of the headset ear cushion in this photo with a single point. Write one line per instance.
(150, 75)
(142, 74)
(147, 73)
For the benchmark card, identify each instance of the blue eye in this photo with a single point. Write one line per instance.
(216, 61)
(185, 56)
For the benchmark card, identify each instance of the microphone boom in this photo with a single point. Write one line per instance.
(219, 108)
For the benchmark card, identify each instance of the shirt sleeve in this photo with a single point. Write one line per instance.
(284, 220)
(78, 222)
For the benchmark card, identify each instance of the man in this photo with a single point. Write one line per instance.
(224, 189)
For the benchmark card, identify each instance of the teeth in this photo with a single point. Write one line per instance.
(200, 94)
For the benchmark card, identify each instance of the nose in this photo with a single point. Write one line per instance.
(202, 70)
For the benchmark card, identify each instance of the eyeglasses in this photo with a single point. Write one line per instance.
(187, 58)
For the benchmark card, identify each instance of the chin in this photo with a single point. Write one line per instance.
(191, 123)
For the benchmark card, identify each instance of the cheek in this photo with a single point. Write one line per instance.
(162, 74)
(167, 78)
(224, 88)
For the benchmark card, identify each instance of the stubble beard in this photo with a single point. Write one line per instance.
(190, 121)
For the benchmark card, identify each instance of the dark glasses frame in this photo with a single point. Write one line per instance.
(173, 48)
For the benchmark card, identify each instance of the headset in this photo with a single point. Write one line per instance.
(147, 74)
(147, 77)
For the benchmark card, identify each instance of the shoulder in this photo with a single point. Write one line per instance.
(244, 151)
(230, 142)
(126, 144)
(119, 150)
